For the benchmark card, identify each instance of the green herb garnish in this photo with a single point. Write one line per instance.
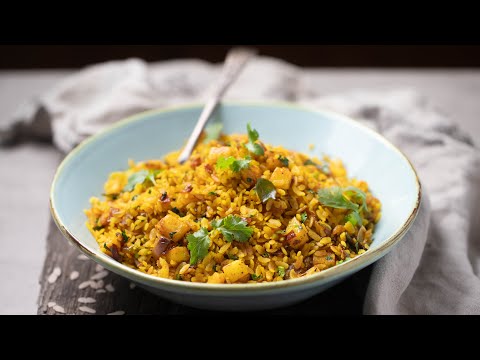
(233, 228)
(303, 217)
(256, 277)
(334, 197)
(233, 164)
(198, 244)
(213, 193)
(281, 271)
(124, 236)
(212, 131)
(266, 255)
(354, 217)
(283, 160)
(357, 194)
(98, 227)
(265, 189)
(252, 146)
(140, 177)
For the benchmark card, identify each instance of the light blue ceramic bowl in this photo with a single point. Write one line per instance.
(153, 134)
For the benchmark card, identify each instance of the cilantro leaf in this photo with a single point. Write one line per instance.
(303, 217)
(283, 160)
(233, 228)
(212, 131)
(256, 277)
(224, 163)
(265, 189)
(139, 178)
(252, 134)
(198, 244)
(255, 148)
(251, 146)
(124, 236)
(281, 271)
(354, 217)
(357, 194)
(333, 197)
(240, 164)
(151, 175)
(217, 223)
(233, 164)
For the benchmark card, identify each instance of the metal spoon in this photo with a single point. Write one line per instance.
(234, 63)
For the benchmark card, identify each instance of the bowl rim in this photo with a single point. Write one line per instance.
(327, 275)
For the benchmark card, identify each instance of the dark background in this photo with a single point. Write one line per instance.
(75, 56)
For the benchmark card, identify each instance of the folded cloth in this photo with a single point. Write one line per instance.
(433, 270)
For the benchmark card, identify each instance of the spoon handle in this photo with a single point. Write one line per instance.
(234, 63)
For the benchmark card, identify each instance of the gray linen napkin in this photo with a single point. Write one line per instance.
(434, 270)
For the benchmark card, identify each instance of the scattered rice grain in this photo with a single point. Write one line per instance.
(100, 275)
(87, 300)
(59, 309)
(74, 275)
(119, 312)
(85, 284)
(87, 309)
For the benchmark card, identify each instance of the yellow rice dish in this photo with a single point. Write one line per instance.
(237, 211)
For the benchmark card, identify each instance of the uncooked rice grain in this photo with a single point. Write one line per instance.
(119, 312)
(86, 300)
(87, 309)
(59, 309)
(99, 275)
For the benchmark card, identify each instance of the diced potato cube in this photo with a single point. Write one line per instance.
(216, 278)
(178, 254)
(172, 227)
(217, 152)
(296, 234)
(323, 259)
(236, 271)
(281, 178)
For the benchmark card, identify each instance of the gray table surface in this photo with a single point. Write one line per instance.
(27, 169)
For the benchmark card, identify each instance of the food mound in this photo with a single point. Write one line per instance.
(237, 211)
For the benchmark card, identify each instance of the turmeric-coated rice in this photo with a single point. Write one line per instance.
(237, 211)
